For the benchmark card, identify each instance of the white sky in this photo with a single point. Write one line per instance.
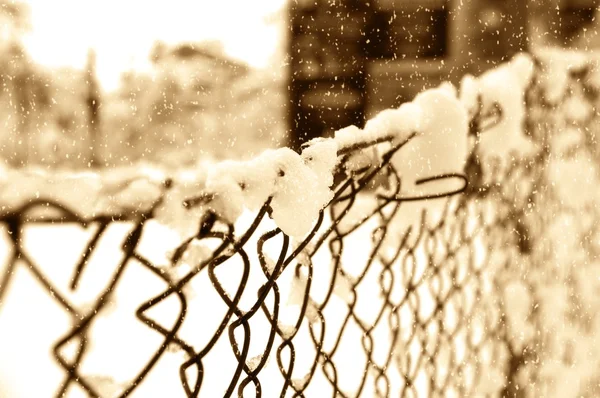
(123, 31)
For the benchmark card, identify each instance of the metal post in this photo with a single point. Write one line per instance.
(93, 105)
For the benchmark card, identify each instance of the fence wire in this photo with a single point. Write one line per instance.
(387, 295)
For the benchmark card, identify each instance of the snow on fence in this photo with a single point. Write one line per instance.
(439, 251)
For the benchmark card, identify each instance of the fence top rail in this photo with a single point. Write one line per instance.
(128, 193)
(227, 187)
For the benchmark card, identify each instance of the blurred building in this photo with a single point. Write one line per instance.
(351, 59)
(196, 104)
(200, 69)
(576, 24)
(225, 99)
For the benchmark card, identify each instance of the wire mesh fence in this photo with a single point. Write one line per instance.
(387, 295)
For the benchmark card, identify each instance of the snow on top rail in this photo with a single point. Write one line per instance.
(298, 185)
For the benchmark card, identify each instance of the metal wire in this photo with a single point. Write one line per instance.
(420, 309)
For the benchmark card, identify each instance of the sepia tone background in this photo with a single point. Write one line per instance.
(102, 85)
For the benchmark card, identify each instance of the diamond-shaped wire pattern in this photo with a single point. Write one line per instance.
(386, 296)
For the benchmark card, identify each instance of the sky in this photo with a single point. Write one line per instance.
(122, 32)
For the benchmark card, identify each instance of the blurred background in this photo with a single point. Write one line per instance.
(101, 84)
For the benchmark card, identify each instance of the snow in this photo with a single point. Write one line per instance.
(594, 75)
(282, 174)
(398, 123)
(505, 86)
(557, 64)
(469, 94)
(229, 187)
(577, 109)
(360, 161)
(450, 88)
(348, 136)
(258, 181)
(196, 252)
(440, 146)
(106, 386)
(320, 156)
(523, 68)
(120, 191)
(297, 290)
(298, 194)
(180, 221)
(228, 200)
(138, 195)
(577, 178)
(82, 192)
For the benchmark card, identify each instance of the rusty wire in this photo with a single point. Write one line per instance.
(463, 252)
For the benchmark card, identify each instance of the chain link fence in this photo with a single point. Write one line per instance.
(445, 294)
